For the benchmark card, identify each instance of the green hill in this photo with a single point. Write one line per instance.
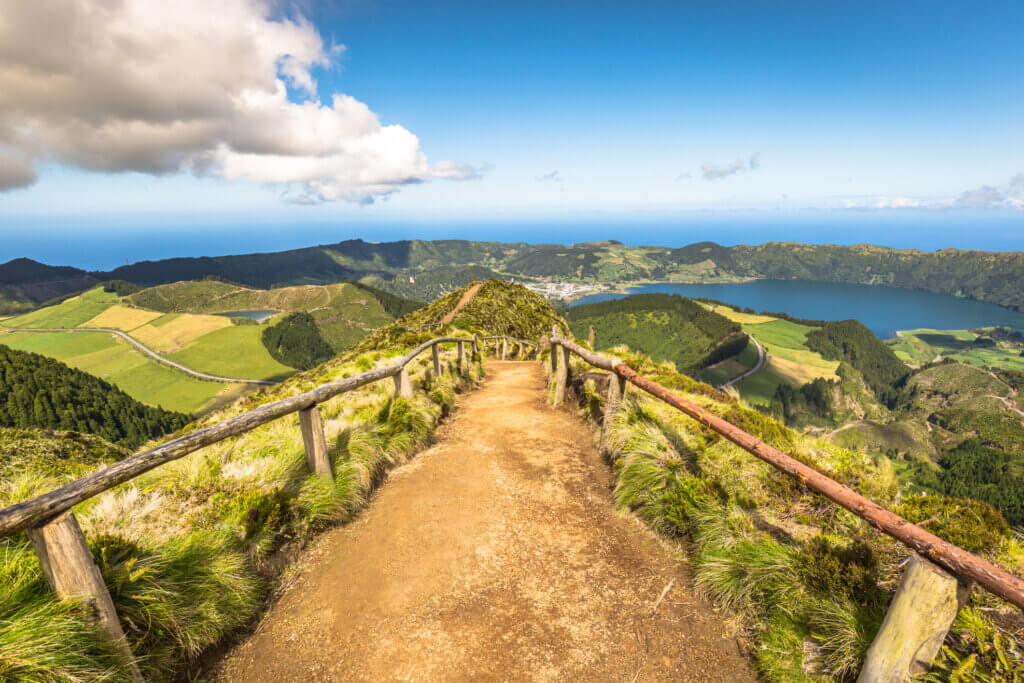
(424, 269)
(36, 391)
(849, 341)
(191, 549)
(667, 327)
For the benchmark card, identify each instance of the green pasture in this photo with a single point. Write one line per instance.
(919, 347)
(234, 351)
(732, 367)
(103, 355)
(70, 313)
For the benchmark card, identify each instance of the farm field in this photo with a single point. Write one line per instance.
(918, 347)
(71, 313)
(788, 360)
(233, 351)
(116, 361)
(731, 367)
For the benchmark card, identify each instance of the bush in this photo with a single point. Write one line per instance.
(970, 524)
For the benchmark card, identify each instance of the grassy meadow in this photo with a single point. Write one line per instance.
(919, 347)
(192, 550)
(121, 364)
(806, 582)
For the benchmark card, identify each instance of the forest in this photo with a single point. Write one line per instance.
(850, 341)
(36, 391)
(664, 326)
(296, 342)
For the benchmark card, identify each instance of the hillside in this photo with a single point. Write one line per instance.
(667, 327)
(203, 343)
(423, 269)
(39, 392)
(193, 549)
(849, 341)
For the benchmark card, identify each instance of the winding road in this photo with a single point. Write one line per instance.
(751, 371)
(145, 349)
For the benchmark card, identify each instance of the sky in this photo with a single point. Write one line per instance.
(345, 116)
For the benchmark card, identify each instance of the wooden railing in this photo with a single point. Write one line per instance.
(503, 352)
(58, 540)
(936, 580)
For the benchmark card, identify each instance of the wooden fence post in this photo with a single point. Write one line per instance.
(476, 346)
(403, 387)
(435, 355)
(562, 377)
(612, 404)
(72, 573)
(461, 356)
(504, 348)
(919, 617)
(314, 440)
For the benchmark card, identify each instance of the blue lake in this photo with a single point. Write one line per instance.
(882, 309)
(258, 316)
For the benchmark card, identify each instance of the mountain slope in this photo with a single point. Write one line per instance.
(667, 327)
(36, 391)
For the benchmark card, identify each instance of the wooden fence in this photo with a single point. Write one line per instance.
(58, 540)
(936, 581)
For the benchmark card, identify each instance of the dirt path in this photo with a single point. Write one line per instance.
(467, 296)
(493, 555)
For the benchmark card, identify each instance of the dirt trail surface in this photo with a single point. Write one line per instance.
(467, 296)
(494, 555)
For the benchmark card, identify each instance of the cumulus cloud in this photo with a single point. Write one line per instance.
(550, 177)
(712, 171)
(988, 196)
(221, 89)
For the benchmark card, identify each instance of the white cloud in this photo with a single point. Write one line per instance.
(988, 196)
(155, 87)
(712, 171)
(553, 177)
(885, 203)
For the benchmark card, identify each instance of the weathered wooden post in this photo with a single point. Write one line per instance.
(435, 355)
(919, 617)
(476, 347)
(403, 387)
(504, 348)
(461, 355)
(562, 377)
(612, 404)
(72, 573)
(314, 440)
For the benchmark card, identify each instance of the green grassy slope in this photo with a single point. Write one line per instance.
(667, 327)
(808, 581)
(36, 391)
(918, 347)
(189, 549)
(119, 363)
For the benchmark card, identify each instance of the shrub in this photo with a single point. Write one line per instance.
(970, 524)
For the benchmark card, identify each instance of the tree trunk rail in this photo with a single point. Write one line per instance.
(966, 566)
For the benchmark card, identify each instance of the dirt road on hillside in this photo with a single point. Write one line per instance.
(494, 555)
(466, 297)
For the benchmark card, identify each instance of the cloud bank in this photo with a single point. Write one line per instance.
(987, 196)
(218, 89)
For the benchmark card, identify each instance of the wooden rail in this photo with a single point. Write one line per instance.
(57, 538)
(928, 598)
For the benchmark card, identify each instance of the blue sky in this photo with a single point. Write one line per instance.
(601, 111)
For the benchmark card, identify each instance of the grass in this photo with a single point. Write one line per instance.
(122, 318)
(234, 351)
(740, 317)
(918, 347)
(807, 582)
(731, 367)
(71, 313)
(174, 331)
(116, 361)
(191, 550)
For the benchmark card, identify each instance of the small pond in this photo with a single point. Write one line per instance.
(258, 316)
